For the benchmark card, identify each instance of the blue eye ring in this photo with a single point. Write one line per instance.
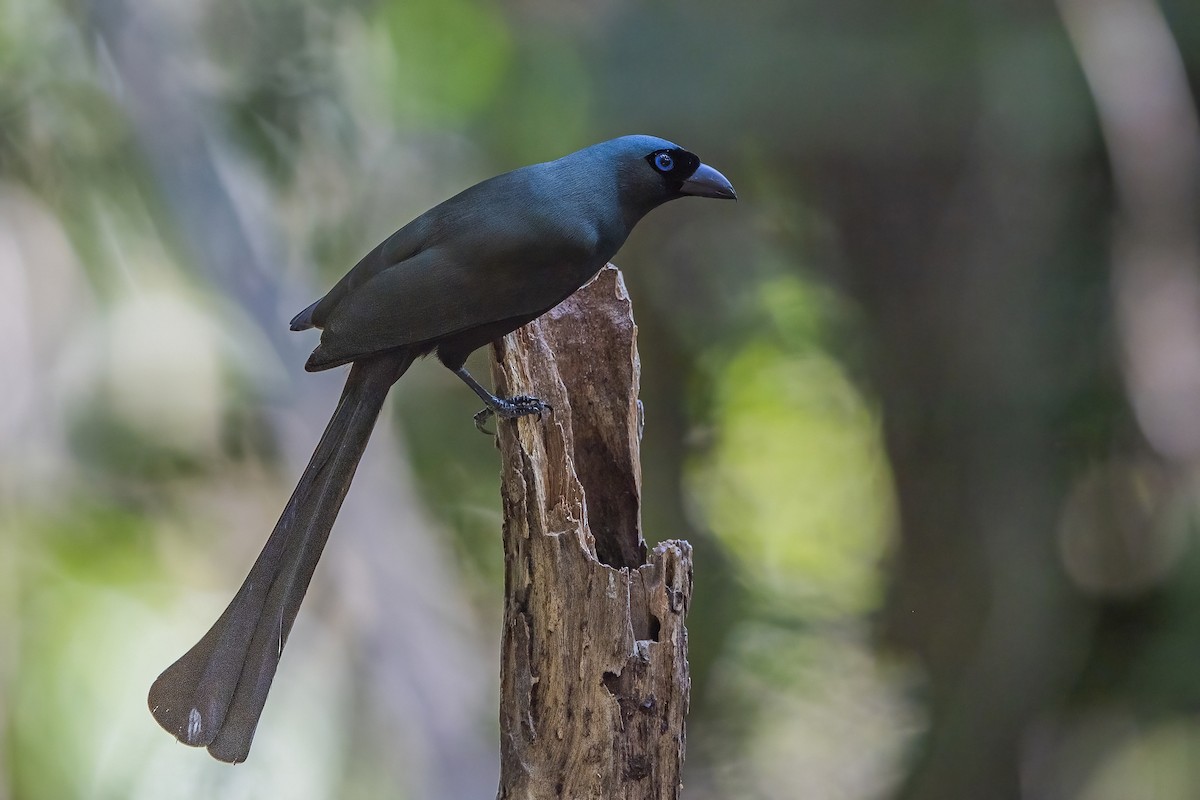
(663, 162)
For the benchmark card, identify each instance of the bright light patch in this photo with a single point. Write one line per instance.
(164, 376)
(797, 485)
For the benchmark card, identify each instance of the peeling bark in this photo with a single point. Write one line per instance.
(594, 674)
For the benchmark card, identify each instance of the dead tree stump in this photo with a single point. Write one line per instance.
(594, 674)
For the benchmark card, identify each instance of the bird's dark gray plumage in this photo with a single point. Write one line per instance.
(459, 276)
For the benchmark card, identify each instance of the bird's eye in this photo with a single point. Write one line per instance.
(663, 162)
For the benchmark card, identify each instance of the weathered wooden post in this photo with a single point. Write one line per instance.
(594, 674)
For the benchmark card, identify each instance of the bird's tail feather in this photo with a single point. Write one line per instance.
(214, 694)
(304, 320)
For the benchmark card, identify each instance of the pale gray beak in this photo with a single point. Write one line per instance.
(707, 182)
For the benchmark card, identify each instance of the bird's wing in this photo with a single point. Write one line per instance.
(398, 247)
(434, 294)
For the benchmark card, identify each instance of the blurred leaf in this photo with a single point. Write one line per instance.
(797, 484)
(1161, 762)
(439, 61)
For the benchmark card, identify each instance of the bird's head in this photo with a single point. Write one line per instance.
(650, 171)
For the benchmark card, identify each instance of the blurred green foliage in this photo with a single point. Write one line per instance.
(808, 523)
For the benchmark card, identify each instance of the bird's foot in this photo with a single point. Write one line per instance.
(522, 405)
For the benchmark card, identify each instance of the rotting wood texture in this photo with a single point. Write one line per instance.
(594, 673)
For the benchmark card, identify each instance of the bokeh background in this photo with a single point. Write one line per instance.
(926, 400)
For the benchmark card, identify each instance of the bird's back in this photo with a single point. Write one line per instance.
(508, 247)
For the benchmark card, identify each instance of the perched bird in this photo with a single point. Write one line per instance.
(459, 276)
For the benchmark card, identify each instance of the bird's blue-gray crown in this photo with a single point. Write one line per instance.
(654, 164)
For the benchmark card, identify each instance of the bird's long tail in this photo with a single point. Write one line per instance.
(212, 697)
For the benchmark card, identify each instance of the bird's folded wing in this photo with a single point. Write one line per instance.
(429, 296)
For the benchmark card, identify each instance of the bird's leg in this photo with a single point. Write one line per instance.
(520, 406)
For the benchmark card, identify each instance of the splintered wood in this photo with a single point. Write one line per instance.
(594, 674)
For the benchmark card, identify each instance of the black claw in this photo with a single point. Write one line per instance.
(520, 406)
(481, 419)
(525, 405)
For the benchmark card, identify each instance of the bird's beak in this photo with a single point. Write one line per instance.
(707, 182)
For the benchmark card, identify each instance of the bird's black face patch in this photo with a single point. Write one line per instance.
(675, 165)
